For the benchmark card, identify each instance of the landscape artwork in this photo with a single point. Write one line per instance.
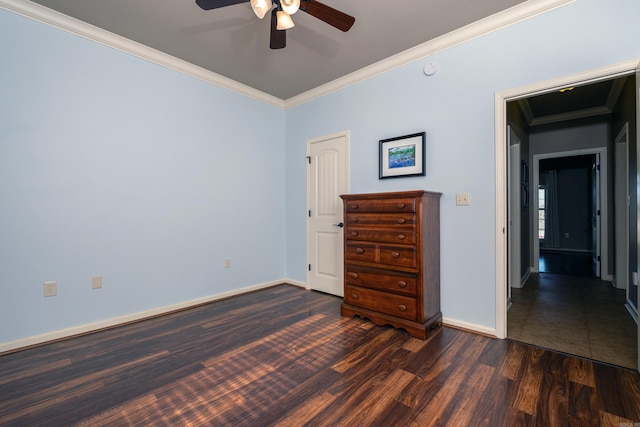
(402, 156)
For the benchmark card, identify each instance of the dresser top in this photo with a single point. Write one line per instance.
(389, 195)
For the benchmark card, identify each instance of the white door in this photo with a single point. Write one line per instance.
(514, 185)
(327, 179)
(621, 223)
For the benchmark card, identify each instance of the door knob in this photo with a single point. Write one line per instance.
(340, 224)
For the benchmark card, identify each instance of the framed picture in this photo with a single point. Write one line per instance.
(402, 156)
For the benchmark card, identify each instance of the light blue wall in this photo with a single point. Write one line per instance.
(456, 109)
(113, 166)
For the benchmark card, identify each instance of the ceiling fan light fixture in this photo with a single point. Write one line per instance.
(284, 21)
(290, 6)
(261, 7)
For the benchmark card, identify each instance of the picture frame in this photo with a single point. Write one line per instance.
(402, 156)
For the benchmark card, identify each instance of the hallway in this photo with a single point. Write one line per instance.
(579, 315)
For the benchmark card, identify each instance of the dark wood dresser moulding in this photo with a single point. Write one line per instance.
(392, 259)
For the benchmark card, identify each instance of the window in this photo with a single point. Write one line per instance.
(542, 203)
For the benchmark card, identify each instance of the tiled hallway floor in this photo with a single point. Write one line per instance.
(582, 316)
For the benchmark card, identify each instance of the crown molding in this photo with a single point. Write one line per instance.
(500, 20)
(578, 114)
(511, 16)
(80, 28)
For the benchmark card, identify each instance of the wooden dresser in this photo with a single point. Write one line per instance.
(392, 259)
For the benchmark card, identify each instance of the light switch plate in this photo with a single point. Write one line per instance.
(96, 282)
(462, 199)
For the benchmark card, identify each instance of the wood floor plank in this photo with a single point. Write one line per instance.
(584, 408)
(303, 414)
(453, 380)
(460, 411)
(370, 399)
(581, 371)
(284, 356)
(530, 384)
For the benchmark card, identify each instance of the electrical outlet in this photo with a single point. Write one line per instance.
(227, 263)
(50, 289)
(462, 199)
(96, 282)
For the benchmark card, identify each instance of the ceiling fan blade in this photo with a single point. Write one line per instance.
(325, 13)
(215, 4)
(278, 37)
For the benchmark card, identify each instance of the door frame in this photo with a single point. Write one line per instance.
(342, 134)
(514, 231)
(621, 211)
(604, 204)
(500, 128)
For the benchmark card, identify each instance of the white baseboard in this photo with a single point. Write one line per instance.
(447, 321)
(295, 283)
(632, 311)
(526, 276)
(109, 323)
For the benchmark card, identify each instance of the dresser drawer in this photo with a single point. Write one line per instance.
(407, 236)
(383, 302)
(382, 280)
(385, 219)
(401, 204)
(400, 256)
(358, 251)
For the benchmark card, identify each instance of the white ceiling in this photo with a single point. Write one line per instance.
(233, 42)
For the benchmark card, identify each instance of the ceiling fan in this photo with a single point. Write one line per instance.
(281, 15)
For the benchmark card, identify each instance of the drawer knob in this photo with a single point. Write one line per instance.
(354, 233)
(401, 221)
(354, 296)
(354, 275)
(355, 220)
(395, 254)
(401, 236)
(402, 307)
(401, 205)
(354, 206)
(402, 284)
(360, 250)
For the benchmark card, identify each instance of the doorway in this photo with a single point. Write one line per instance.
(502, 280)
(574, 207)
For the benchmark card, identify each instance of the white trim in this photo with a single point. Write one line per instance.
(295, 283)
(525, 277)
(500, 117)
(502, 281)
(621, 228)
(469, 32)
(80, 28)
(110, 323)
(632, 310)
(476, 29)
(447, 321)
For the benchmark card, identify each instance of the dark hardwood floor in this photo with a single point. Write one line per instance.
(565, 262)
(284, 356)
